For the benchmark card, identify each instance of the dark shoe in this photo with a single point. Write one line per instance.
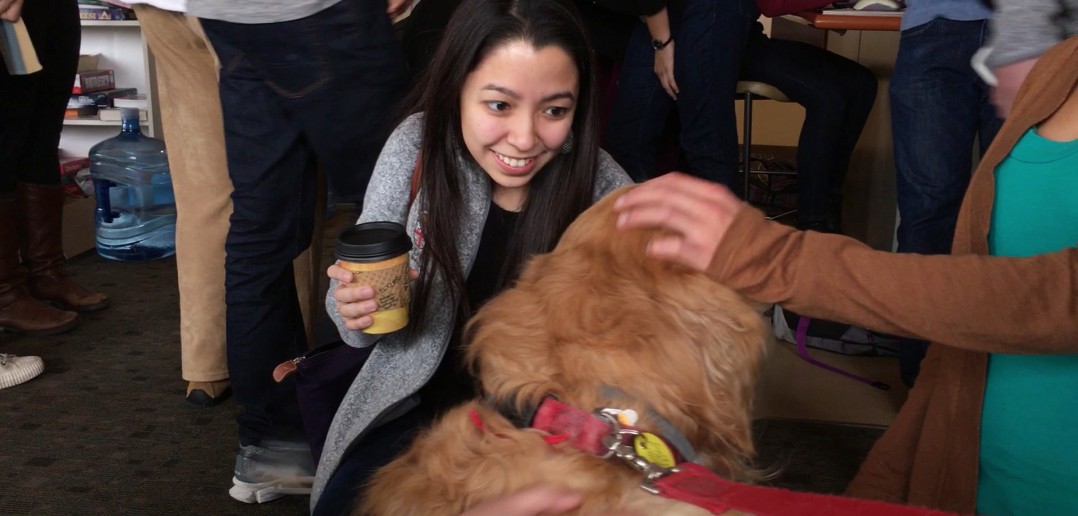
(19, 311)
(42, 254)
(208, 394)
(55, 286)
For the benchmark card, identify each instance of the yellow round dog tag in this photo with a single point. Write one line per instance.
(653, 449)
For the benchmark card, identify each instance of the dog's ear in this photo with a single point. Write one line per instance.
(508, 344)
(728, 336)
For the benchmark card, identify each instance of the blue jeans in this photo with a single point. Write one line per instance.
(318, 90)
(709, 42)
(938, 106)
(837, 95)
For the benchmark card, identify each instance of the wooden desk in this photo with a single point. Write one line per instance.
(820, 20)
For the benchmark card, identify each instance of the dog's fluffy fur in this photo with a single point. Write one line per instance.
(593, 314)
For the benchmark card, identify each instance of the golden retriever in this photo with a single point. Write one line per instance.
(597, 324)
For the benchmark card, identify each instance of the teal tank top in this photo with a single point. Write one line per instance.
(1029, 423)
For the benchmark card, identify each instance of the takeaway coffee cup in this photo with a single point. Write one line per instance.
(377, 255)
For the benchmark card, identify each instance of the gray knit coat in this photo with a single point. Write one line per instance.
(1024, 29)
(385, 388)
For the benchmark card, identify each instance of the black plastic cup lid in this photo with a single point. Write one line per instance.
(372, 242)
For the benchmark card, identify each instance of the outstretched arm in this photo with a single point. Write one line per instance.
(1012, 305)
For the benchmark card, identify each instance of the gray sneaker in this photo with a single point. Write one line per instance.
(15, 370)
(271, 470)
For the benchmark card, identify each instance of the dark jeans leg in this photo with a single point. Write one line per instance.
(710, 40)
(348, 118)
(32, 111)
(317, 89)
(938, 107)
(640, 110)
(359, 464)
(272, 171)
(837, 95)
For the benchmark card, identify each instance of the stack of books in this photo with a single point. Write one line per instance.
(104, 10)
(95, 95)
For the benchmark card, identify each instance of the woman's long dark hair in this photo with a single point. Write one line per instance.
(556, 195)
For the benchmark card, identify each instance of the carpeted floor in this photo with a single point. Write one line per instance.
(106, 429)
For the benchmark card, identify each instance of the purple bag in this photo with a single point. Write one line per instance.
(323, 376)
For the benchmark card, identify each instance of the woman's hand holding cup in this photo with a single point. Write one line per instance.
(355, 303)
(372, 265)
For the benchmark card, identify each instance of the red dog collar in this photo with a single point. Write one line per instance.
(602, 436)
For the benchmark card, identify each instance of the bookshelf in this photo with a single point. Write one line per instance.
(123, 49)
(110, 23)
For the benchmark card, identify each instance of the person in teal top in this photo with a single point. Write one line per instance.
(991, 428)
(1031, 401)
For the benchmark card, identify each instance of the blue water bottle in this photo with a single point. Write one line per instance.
(135, 217)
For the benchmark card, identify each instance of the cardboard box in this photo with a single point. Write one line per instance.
(88, 62)
(77, 235)
(70, 168)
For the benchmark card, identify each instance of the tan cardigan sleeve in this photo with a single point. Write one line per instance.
(975, 302)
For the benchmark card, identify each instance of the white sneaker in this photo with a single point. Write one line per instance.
(15, 370)
(274, 469)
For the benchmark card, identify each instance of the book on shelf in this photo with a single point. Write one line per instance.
(87, 111)
(16, 49)
(855, 12)
(95, 10)
(132, 101)
(75, 175)
(77, 101)
(93, 81)
(102, 99)
(113, 115)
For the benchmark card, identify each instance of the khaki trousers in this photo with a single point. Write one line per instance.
(190, 111)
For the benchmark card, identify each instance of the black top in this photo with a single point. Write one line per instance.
(451, 383)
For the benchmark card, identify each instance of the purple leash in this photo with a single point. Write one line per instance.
(802, 349)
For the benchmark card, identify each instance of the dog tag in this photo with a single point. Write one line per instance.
(653, 449)
(625, 417)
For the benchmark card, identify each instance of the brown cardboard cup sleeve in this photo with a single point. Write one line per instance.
(377, 255)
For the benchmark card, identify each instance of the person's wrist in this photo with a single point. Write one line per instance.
(659, 44)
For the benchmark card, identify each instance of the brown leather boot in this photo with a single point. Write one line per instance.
(20, 311)
(42, 253)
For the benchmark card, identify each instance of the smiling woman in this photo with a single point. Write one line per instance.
(505, 131)
(516, 112)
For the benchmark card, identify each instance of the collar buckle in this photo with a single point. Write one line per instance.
(616, 446)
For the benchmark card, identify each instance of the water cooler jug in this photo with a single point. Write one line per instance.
(135, 217)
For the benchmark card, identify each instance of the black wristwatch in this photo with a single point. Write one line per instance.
(659, 45)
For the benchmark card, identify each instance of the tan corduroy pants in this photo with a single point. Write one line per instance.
(186, 71)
